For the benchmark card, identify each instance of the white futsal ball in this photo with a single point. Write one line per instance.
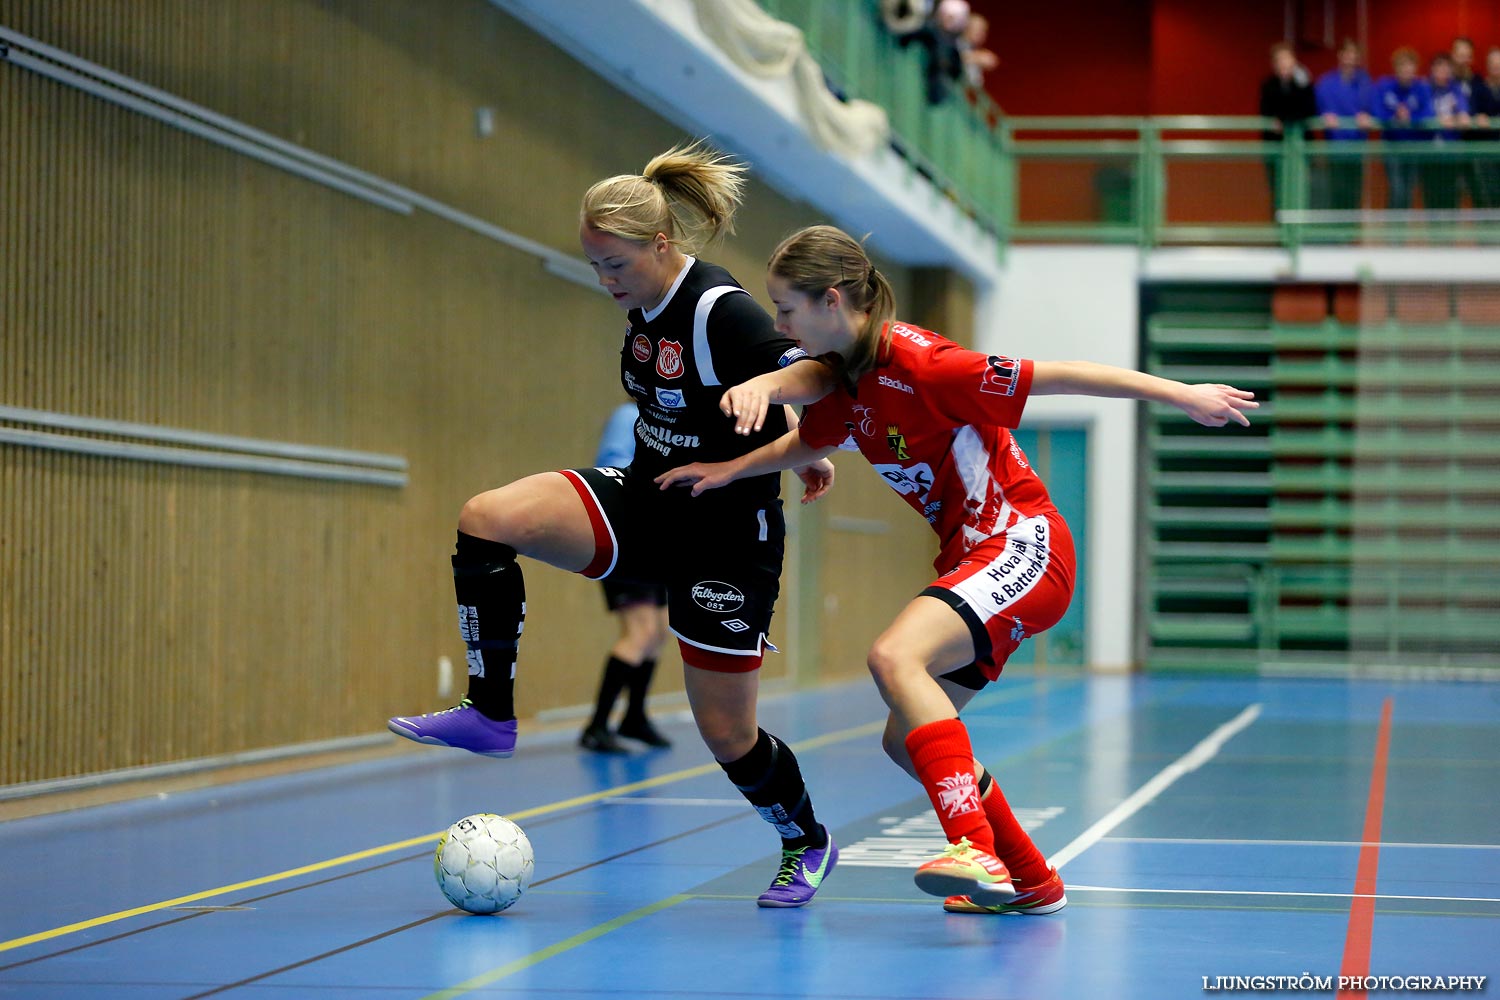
(483, 863)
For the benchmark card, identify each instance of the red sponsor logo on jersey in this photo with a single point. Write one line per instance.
(669, 358)
(1001, 377)
(641, 347)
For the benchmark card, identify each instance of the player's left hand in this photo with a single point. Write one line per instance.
(817, 479)
(1216, 405)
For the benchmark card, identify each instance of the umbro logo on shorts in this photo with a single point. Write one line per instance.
(735, 625)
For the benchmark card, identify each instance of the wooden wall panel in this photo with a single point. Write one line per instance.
(153, 613)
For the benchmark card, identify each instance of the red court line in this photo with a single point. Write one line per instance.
(1362, 910)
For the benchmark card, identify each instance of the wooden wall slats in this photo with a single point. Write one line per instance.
(153, 613)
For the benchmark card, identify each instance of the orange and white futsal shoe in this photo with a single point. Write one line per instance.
(1048, 897)
(963, 869)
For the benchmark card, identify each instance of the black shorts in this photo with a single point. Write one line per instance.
(624, 594)
(719, 561)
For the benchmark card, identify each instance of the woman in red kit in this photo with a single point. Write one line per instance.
(932, 418)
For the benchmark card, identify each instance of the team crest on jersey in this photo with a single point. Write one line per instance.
(669, 358)
(897, 441)
(1001, 377)
(866, 425)
(640, 347)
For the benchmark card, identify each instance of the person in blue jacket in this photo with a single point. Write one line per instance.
(640, 609)
(1450, 106)
(1343, 93)
(1403, 103)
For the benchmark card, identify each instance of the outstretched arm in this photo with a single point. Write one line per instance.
(804, 381)
(1210, 405)
(786, 452)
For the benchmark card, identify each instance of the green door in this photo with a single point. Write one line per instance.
(1059, 455)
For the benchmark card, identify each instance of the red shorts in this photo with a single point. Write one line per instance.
(1009, 587)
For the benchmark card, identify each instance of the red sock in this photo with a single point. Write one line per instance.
(1012, 844)
(944, 760)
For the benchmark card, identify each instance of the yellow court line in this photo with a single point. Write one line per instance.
(664, 779)
(579, 800)
(567, 944)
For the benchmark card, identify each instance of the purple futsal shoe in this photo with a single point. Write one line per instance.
(801, 873)
(462, 727)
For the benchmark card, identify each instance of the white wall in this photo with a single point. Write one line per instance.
(1082, 304)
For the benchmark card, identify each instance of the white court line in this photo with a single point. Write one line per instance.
(1267, 892)
(1186, 764)
(1295, 843)
(651, 800)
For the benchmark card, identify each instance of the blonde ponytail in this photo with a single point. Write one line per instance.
(689, 194)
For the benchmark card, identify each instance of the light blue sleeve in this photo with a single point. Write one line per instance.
(617, 444)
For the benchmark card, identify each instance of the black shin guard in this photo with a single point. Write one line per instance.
(616, 675)
(769, 777)
(640, 683)
(491, 613)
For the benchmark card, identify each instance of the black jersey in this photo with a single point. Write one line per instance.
(707, 335)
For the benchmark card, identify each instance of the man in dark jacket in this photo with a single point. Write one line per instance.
(1287, 96)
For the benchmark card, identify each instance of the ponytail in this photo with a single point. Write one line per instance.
(689, 194)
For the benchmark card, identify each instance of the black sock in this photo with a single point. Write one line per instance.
(616, 676)
(491, 613)
(769, 777)
(640, 683)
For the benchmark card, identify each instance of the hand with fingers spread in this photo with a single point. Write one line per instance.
(699, 475)
(1214, 405)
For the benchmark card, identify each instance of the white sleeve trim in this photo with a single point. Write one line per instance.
(701, 353)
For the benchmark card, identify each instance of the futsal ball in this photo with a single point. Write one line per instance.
(483, 863)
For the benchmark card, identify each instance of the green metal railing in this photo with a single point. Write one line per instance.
(954, 144)
(1188, 179)
(1149, 181)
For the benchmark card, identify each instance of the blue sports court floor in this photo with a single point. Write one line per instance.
(1207, 827)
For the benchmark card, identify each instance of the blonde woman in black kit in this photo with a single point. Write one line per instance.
(692, 332)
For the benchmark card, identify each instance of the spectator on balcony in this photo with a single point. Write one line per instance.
(1461, 51)
(1462, 54)
(1441, 177)
(1403, 102)
(1286, 95)
(939, 39)
(1344, 92)
(1485, 107)
(977, 59)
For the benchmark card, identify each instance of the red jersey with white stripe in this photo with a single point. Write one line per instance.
(933, 420)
